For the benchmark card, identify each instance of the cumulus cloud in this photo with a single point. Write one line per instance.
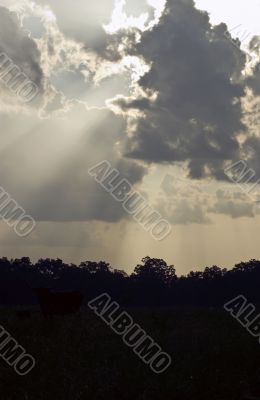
(184, 202)
(191, 108)
(235, 204)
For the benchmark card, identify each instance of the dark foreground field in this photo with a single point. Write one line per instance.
(79, 357)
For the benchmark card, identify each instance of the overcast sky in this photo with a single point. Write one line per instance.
(159, 89)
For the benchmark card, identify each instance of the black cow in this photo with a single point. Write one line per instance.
(62, 303)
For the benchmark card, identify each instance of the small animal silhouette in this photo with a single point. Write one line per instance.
(59, 303)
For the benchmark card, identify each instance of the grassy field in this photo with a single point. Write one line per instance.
(80, 357)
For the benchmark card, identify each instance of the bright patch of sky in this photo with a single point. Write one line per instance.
(122, 19)
(241, 17)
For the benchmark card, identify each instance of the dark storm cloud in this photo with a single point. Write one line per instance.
(196, 73)
(19, 47)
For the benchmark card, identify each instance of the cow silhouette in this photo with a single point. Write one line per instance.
(58, 303)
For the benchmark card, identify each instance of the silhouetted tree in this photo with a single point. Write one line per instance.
(153, 282)
(155, 269)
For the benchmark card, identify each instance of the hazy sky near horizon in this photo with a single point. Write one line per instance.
(159, 90)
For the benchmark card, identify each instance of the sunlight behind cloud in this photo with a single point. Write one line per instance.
(49, 15)
(120, 20)
(158, 6)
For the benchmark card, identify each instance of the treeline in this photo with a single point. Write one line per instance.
(153, 283)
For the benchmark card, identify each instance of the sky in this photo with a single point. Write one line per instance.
(166, 92)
